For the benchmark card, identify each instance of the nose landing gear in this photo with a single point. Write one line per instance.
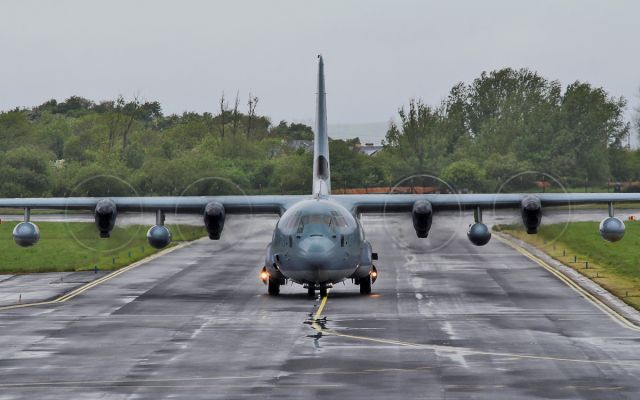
(311, 289)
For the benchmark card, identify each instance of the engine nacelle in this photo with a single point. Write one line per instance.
(612, 229)
(105, 216)
(531, 214)
(214, 216)
(479, 234)
(422, 215)
(26, 234)
(159, 236)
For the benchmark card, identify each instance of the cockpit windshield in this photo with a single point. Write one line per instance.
(325, 223)
(316, 224)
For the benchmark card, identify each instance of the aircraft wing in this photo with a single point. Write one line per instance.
(178, 204)
(404, 202)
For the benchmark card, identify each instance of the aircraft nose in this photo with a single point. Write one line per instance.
(317, 247)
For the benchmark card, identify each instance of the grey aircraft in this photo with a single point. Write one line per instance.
(318, 240)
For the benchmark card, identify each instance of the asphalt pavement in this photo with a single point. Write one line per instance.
(446, 320)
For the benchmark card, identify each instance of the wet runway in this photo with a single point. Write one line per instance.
(446, 320)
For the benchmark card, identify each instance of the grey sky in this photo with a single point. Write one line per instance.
(378, 54)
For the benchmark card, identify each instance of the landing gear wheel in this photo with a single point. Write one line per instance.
(273, 287)
(323, 290)
(311, 291)
(365, 285)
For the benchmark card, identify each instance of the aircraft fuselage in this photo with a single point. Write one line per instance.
(317, 242)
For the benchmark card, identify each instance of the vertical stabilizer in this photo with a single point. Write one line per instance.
(321, 174)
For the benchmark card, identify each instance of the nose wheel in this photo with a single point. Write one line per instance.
(323, 290)
(311, 291)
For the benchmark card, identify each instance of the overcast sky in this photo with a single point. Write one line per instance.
(378, 54)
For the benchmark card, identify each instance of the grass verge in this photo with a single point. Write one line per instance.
(614, 266)
(76, 246)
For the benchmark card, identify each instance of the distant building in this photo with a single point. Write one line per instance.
(369, 149)
(58, 163)
(306, 145)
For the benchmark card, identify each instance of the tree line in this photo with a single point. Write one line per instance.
(482, 134)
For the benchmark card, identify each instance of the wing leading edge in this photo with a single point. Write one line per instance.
(404, 202)
(184, 204)
(356, 203)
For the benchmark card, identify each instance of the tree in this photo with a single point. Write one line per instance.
(235, 115)
(223, 112)
(464, 175)
(24, 173)
(594, 122)
(295, 131)
(252, 103)
(418, 138)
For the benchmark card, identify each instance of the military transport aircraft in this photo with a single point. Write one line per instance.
(318, 240)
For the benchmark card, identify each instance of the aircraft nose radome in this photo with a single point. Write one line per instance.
(317, 246)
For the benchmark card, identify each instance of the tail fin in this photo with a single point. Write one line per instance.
(321, 173)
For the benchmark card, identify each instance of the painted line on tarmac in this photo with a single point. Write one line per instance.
(613, 314)
(318, 314)
(455, 350)
(92, 284)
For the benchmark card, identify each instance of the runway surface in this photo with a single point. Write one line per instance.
(446, 320)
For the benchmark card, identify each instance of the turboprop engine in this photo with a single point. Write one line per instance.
(105, 216)
(422, 215)
(531, 214)
(214, 216)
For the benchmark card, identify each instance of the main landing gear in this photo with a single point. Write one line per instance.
(365, 285)
(273, 287)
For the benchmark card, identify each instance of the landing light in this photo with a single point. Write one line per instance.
(264, 275)
(373, 273)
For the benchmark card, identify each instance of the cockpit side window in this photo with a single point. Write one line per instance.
(338, 219)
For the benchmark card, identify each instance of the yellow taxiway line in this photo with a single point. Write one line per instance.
(466, 351)
(456, 350)
(94, 283)
(620, 319)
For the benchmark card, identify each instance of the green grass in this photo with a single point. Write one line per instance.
(77, 246)
(614, 266)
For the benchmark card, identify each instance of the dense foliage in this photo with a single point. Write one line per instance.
(510, 121)
(503, 123)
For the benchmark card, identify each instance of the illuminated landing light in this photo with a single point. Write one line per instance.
(264, 275)
(373, 273)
